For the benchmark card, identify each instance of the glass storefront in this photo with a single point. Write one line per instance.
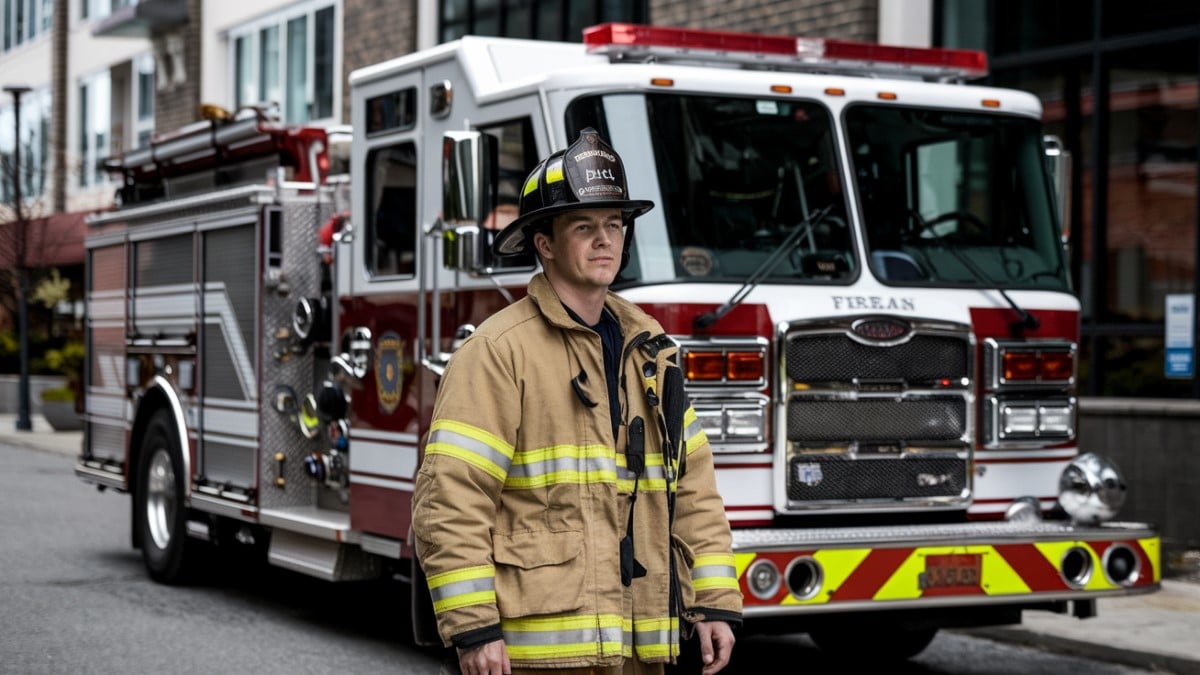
(1119, 84)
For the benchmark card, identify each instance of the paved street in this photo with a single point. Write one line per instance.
(76, 599)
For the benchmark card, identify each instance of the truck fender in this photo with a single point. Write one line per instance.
(159, 395)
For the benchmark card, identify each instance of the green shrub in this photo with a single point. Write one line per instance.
(68, 360)
(58, 395)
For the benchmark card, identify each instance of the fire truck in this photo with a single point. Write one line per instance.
(860, 255)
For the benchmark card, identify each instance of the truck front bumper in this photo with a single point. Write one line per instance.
(819, 570)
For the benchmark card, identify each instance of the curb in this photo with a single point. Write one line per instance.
(1160, 663)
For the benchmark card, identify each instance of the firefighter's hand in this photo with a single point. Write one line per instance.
(716, 645)
(490, 658)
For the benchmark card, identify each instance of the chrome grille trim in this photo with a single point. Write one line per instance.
(876, 413)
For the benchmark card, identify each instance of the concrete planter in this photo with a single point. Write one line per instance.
(61, 415)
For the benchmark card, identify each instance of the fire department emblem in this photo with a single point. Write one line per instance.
(809, 474)
(881, 329)
(389, 371)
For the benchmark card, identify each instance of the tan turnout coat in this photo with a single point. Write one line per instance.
(522, 499)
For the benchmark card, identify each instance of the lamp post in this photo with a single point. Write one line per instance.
(23, 421)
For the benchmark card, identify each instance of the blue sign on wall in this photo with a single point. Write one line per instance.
(1180, 343)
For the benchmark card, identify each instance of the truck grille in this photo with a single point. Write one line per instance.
(910, 420)
(839, 358)
(870, 423)
(838, 478)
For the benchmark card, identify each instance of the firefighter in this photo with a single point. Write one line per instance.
(566, 512)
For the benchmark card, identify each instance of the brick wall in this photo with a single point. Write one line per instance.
(844, 19)
(178, 102)
(373, 32)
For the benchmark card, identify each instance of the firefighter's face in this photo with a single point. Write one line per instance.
(585, 247)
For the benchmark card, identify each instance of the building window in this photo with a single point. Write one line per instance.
(290, 59)
(143, 83)
(35, 148)
(541, 19)
(98, 9)
(24, 20)
(1118, 82)
(95, 128)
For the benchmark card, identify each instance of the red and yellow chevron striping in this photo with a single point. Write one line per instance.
(886, 574)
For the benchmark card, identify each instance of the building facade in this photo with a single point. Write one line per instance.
(1118, 80)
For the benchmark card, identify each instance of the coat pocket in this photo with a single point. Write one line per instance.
(683, 558)
(539, 572)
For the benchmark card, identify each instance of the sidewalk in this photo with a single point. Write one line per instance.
(1157, 631)
(42, 437)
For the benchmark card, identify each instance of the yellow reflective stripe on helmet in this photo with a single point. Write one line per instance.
(554, 171)
(471, 444)
(559, 637)
(531, 184)
(562, 464)
(715, 570)
(462, 588)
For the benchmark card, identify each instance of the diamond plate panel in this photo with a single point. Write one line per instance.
(299, 265)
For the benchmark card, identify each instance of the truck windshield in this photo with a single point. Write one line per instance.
(955, 198)
(734, 176)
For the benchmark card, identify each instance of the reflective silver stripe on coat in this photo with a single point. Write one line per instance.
(590, 465)
(485, 451)
(457, 588)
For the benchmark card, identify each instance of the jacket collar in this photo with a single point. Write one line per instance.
(632, 319)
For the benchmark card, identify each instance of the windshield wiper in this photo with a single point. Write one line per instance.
(709, 318)
(1026, 321)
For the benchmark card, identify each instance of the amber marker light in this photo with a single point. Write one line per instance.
(704, 365)
(745, 366)
(991, 103)
(1057, 365)
(662, 82)
(781, 89)
(1020, 366)
(887, 96)
(835, 91)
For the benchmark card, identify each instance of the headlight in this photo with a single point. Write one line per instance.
(1091, 489)
(733, 425)
(1022, 421)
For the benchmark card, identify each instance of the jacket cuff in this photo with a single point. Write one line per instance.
(478, 636)
(734, 619)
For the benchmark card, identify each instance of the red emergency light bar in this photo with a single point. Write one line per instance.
(625, 40)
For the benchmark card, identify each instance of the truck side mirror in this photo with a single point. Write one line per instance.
(1058, 165)
(469, 181)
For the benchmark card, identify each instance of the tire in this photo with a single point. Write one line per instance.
(884, 644)
(160, 512)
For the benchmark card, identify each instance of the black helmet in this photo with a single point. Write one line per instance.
(587, 175)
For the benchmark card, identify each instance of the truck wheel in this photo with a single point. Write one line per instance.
(887, 643)
(159, 505)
